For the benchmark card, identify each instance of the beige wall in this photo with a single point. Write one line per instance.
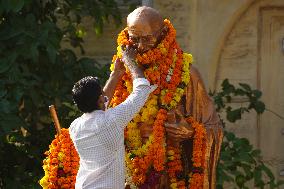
(246, 47)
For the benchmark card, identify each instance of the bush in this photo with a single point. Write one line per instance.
(240, 162)
(36, 72)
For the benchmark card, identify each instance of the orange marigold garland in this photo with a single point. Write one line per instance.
(141, 158)
(168, 67)
(196, 177)
(61, 164)
(174, 167)
(120, 93)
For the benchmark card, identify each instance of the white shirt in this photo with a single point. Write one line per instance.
(99, 140)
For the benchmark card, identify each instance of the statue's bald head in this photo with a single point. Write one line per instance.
(146, 16)
(142, 22)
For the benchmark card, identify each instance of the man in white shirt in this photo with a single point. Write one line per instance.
(98, 135)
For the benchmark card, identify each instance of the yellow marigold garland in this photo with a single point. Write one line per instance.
(61, 164)
(168, 67)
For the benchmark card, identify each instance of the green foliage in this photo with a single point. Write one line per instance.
(239, 162)
(36, 72)
(228, 92)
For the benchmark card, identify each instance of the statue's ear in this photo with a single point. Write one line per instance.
(165, 28)
(163, 33)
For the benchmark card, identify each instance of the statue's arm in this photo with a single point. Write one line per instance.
(200, 105)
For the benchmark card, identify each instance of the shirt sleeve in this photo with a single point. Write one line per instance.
(120, 115)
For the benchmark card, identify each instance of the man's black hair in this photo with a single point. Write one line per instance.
(86, 93)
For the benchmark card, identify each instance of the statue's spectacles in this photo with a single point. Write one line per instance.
(148, 39)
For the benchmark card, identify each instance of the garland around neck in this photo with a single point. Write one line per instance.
(168, 67)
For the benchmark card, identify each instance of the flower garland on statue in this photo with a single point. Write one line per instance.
(196, 176)
(168, 67)
(61, 164)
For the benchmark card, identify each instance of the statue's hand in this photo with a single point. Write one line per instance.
(179, 131)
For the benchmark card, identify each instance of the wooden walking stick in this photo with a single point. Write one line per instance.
(55, 119)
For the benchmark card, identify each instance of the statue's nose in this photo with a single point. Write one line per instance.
(140, 47)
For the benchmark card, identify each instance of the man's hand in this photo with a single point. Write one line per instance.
(179, 131)
(128, 57)
(129, 54)
(118, 67)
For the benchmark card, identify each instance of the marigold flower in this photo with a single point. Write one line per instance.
(169, 68)
(61, 159)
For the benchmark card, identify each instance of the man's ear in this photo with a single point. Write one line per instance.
(99, 100)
